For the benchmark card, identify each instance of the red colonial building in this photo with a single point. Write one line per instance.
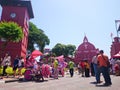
(19, 11)
(85, 51)
(115, 47)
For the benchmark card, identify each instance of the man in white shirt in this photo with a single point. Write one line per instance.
(96, 69)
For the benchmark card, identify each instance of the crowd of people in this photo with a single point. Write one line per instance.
(17, 64)
(99, 65)
(53, 69)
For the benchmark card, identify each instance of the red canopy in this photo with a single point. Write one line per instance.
(36, 53)
(117, 55)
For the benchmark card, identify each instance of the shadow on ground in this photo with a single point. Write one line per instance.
(22, 80)
(99, 85)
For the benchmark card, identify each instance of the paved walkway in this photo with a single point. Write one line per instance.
(63, 83)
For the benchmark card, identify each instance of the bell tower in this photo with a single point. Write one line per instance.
(19, 11)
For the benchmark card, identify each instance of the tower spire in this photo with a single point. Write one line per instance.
(85, 39)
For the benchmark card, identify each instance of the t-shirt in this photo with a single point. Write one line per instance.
(16, 62)
(82, 64)
(71, 64)
(6, 61)
(94, 60)
(55, 64)
(21, 63)
(87, 65)
(102, 59)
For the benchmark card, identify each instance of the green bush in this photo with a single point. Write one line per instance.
(9, 70)
(1, 70)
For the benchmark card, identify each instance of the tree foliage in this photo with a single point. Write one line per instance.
(70, 48)
(10, 31)
(38, 37)
(61, 49)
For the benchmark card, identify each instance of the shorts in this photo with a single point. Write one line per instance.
(15, 68)
(20, 66)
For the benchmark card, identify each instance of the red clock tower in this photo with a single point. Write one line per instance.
(19, 11)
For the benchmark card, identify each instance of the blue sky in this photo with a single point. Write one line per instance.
(68, 21)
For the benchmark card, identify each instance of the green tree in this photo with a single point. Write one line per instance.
(71, 49)
(36, 37)
(61, 49)
(43, 41)
(11, 32)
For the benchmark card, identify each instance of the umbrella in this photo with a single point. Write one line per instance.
(36, 53)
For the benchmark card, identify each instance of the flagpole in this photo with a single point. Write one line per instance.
(111, 36)
(116, 27)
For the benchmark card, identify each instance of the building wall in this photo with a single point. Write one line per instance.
(22, 18)
(115, 47)
(85, 51)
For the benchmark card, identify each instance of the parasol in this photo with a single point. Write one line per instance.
(36, 53)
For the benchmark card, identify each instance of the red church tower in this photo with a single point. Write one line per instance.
(115, 47)
(19, 11)
(85, 51)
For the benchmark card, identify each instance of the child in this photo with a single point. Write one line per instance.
(15, 65)
(20, 65)
(87, 69)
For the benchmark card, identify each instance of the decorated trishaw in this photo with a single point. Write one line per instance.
(116, 64)
(61, 65)
(36, 70)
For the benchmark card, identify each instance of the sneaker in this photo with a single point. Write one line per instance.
(107, 84)
(1, 77)
(82, 75)
(110, 83)
(99, 81)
